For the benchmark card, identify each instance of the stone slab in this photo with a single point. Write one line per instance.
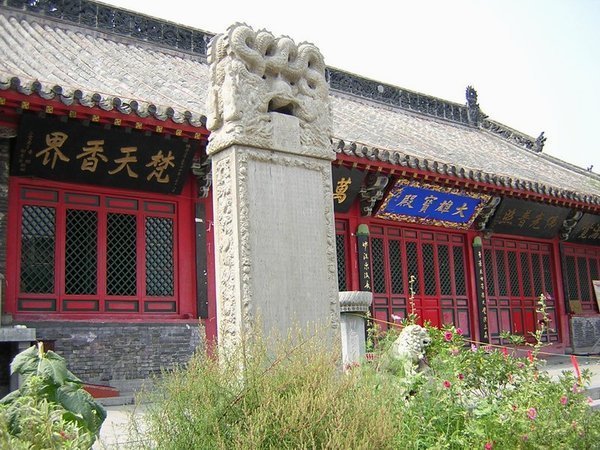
(17, 334)
(585, 334)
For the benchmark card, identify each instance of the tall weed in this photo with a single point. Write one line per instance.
(294, 396)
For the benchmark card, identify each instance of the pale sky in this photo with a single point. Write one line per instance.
(534, 63)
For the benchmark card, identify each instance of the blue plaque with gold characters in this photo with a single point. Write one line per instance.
(432, 205)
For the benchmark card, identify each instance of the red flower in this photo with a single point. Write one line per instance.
(461, 376)
(564, 400)
(530, 356)
(64, 435)
(459, 331)
(488, 445)
(447, 384)
(448, 336)
(532, 413)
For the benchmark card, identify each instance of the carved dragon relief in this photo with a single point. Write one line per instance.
(252, 75)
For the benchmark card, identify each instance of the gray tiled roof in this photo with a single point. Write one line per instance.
(76, 63)
(445, 142)
(93, 64)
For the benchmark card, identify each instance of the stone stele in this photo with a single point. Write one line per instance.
(270, 123)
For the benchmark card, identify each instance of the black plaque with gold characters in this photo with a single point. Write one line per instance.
(525, 218)
(67, 150)
(587, 230)
(346, 185)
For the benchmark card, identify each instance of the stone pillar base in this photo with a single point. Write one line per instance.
(353, 305)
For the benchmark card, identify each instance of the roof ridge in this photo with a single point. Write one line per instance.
(117, 21)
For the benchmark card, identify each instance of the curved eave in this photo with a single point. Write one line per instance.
(398, 163)
(16, 94)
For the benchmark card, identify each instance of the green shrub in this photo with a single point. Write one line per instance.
(296, 397)
(50, 410)
(487, 397)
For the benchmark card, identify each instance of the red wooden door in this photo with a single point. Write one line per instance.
(516, 274)
(435, 261)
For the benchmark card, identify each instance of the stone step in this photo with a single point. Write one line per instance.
(122, 399)
(593, 392)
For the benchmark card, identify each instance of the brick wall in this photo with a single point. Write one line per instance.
(110, 353)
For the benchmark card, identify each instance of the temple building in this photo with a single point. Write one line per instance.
(107, 241)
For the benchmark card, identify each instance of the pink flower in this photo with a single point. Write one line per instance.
(396, 318)
(590, 400)
(488, 445)
(532, 413)
(459, 331)
(461, 376)
(520, 365)
(576, 389)
(447, 384)
(564, 400)
(473, 348)
(448, 336)
(454, 351)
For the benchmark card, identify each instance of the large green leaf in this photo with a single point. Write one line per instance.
(55, 366)
(26, 362)
(9, 398)
(54, 370)
(82, 404)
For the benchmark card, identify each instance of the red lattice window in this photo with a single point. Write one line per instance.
(92, 252)
(580, 267)
(341, 246)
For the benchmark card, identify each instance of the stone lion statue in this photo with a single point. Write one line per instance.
(406, 356)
